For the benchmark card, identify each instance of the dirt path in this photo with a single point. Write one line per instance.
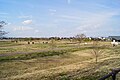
(30, 52)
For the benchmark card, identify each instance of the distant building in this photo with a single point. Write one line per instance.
(115, 38)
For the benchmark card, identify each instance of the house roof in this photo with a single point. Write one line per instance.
(114, 37)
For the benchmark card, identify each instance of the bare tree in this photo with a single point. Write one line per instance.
(2, 24)
(80, 38)
(96, 51)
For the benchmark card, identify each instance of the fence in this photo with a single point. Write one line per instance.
(112, 74)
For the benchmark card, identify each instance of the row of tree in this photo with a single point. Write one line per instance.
(78, 37)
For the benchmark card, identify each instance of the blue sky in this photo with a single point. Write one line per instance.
(46, 18)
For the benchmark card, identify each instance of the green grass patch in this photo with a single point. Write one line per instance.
(31, 55)
(42, 54)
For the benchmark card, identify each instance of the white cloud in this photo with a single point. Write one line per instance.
(94, 22)
(22, 28)
(52, 11)
(9, 23)
(3, 13)
(36, 31)
(68, 1)
(4, 16)
(88, 23)
(69, 17)
(27, 22)
(22, 17)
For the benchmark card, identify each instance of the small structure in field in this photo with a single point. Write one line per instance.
(28, 42)
(115, 40)
(33, 42)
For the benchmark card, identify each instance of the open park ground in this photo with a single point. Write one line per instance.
(61, 60)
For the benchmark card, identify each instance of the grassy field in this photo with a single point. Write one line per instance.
(62, 60)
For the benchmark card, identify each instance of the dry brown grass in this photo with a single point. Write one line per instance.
(75, 64)
(20, 69)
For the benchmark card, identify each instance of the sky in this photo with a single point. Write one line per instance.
(61, 18)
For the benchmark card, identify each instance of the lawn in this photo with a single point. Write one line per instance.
(22, 61)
